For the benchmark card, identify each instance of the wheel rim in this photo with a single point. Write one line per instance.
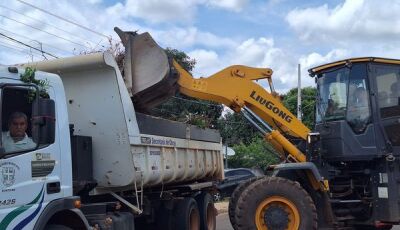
(211, 222)
(277, 213)
(194, 219)
(217, 196)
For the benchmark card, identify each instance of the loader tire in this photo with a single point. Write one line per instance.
(235, 197)
(275, 203)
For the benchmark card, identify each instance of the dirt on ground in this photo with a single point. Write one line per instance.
(222, 207)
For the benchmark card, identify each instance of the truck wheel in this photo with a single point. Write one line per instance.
(187, 216)
(207, 211)
(235, 197)
(275, 203)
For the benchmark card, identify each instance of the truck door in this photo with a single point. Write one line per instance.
(29, 176)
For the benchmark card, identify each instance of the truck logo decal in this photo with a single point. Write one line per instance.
(8, 170)
(16, 212)
(271, 106)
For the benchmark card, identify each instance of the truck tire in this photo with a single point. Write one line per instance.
(275, 203)
(235, 197)
(187, 216)
(208, 213)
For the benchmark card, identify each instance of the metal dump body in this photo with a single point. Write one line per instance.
(130, 148)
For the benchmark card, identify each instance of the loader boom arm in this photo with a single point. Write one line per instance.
(234, 87)
(151, 77)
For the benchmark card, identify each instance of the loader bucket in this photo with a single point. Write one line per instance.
(147, 70)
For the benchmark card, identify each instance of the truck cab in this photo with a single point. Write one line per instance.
(36, 169)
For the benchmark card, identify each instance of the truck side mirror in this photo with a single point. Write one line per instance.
(43, 121)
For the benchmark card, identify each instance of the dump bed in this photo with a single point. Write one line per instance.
(131, 148)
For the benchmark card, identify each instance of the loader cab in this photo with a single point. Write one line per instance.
(358, 108)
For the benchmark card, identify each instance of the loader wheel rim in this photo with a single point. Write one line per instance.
(286, 214)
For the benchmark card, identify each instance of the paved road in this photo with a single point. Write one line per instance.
(224, 224)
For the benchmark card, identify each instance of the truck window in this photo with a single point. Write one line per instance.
(16, 123)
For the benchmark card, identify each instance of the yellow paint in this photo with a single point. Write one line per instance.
(287, 205)
(234, 87)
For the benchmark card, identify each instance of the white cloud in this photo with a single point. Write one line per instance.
(354, 20)
(206, 60)
(232, 5)
(161, 10)
(179, 37)
(314, 59)
(175, 11)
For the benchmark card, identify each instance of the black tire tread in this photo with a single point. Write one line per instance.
(181, 213)
(235, 197)
(202, 202)
(245, 211)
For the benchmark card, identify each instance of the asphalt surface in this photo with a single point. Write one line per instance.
(224, 224)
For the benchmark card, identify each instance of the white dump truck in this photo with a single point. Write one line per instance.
(87, 160)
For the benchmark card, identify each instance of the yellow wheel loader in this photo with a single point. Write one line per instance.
(344, 174)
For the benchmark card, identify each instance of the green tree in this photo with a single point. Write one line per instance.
(257, 154)
(182, 58)
(308, 95)
(181, 108)
(235, 129)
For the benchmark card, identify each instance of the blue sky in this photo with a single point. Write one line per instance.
(272, 33)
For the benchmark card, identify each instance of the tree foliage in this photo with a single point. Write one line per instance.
(181, 108)
(235, 129)
(308, 95)
(256, 154)
(182, 58)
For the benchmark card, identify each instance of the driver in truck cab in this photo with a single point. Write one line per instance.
(16, 139)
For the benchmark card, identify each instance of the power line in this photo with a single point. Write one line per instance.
(25, 37)
(22, 43)
(19, 50)
(14, 46)
(55, 35)
(64, 19)
(55, 27)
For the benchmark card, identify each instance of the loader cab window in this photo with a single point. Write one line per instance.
(388, 86)
(332, 88)
(16, 111)
(358, 104)
(343, 95)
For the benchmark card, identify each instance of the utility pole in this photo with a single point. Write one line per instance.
(299, 93)
(226, 155)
